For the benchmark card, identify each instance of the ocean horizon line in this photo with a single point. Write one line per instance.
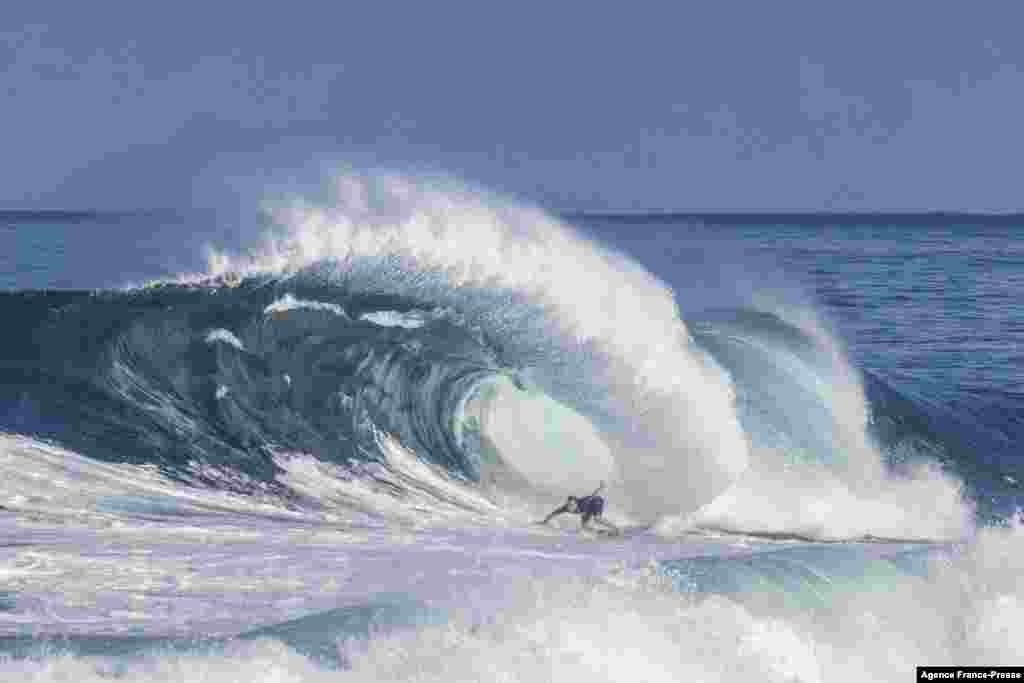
(723, 217)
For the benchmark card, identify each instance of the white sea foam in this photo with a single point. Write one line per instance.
(410, 320)
(289, 303)
(814, 502)
(401, 488)
(41, 477)
(964, 609)
(225, 336)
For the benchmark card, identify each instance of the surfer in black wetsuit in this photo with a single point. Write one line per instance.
(589, 507)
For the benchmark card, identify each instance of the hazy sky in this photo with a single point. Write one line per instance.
(589, 105)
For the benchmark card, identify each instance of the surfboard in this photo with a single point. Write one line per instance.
(623, 533)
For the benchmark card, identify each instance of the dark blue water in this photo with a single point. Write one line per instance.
(936, 306)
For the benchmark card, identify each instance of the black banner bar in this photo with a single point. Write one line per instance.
(970, 673)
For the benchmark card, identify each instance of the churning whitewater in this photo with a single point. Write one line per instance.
(325, 455)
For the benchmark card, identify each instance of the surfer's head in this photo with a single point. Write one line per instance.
(572, 504)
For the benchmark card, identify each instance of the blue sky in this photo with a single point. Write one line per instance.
(621, 106)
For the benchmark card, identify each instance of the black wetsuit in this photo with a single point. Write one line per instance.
(590, 506)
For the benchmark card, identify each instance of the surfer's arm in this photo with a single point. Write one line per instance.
(555, 513)
(597, 490)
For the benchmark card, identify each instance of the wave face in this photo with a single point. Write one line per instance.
(496, 345)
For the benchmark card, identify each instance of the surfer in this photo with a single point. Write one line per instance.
(589, 507)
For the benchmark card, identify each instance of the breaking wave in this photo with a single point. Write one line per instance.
(506, 352)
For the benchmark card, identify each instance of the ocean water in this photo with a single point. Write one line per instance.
(311, 441)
